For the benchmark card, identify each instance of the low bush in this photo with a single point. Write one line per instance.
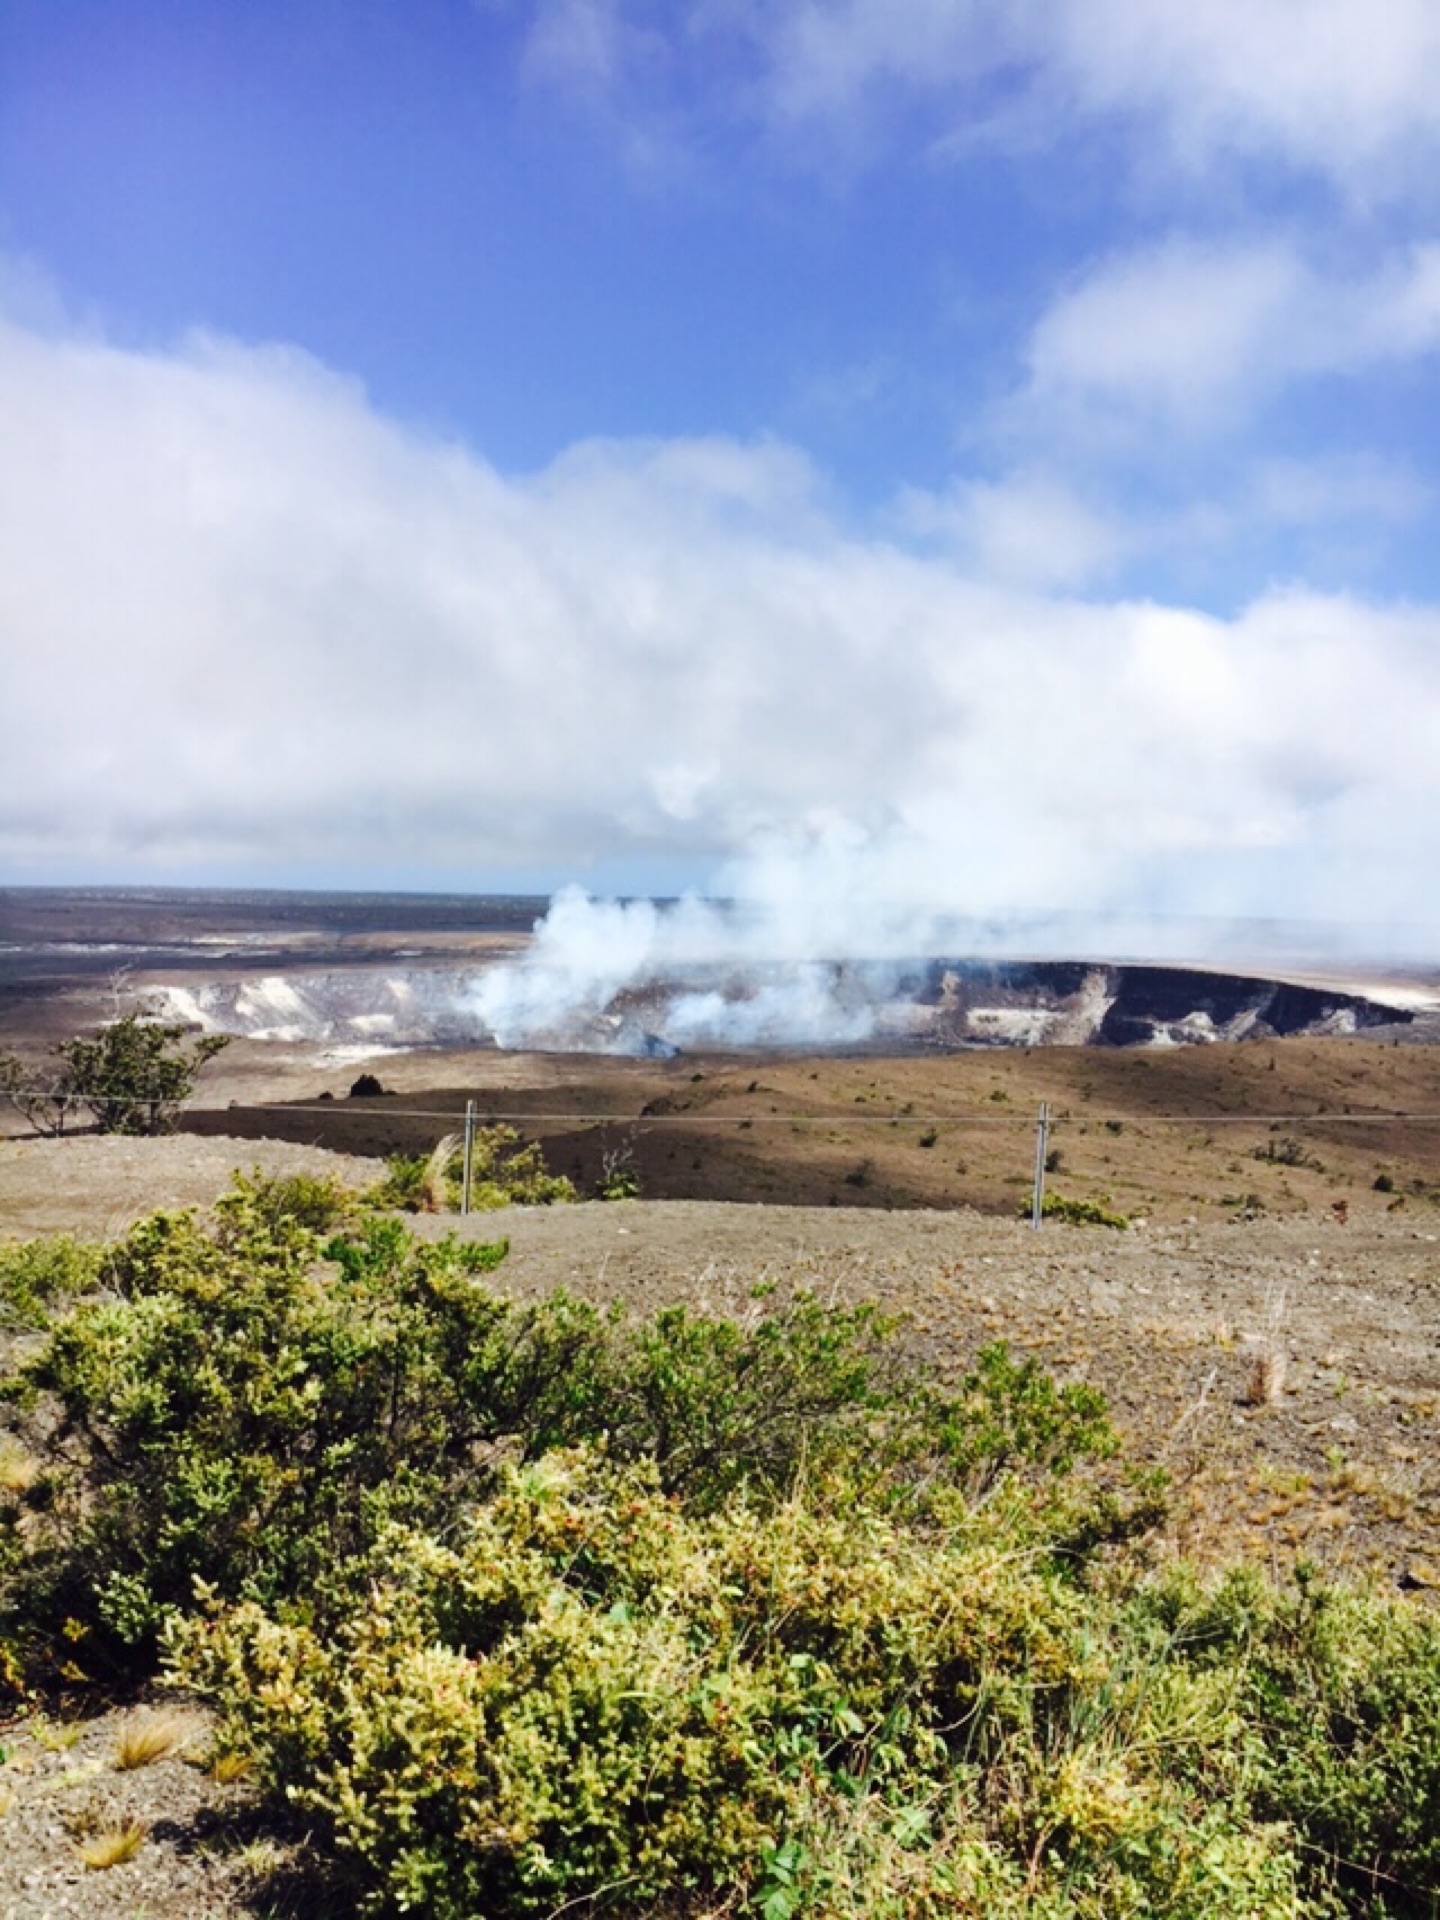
(505, 1171)
(403, 1185)
(594, 1696)
(250, 1404)
(36, 1274)
(318, 1201)
(525, 1607)
(1078, 1213)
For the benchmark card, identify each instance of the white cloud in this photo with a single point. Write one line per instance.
(1029, 528)
(1192, 332)
(1337, 488)
(1183, 329)
(1038, 529)
(1346, 89)
(247, 622)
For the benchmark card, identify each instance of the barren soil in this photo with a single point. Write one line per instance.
(1282, 1127)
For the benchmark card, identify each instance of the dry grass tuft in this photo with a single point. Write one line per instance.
(113, 1846)
(434, 1182)
(56, 1736)
(142, 1742)
(19, 1470)
(1266, 1385)
(226, 1769)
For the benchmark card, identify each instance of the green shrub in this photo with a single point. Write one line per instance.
(132, 1077)
(595, 1697)
(505, 1171)
(248, 1404)
(403, 1185)
(1344, 1695)
(1333, 1698)
(1077, 1213)
(35, 1274)
(525, 1607)
(233, 1412)
(1007, 1412)
(307, 1200)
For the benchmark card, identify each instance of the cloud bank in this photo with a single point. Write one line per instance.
(1334, 89)
(252, 627)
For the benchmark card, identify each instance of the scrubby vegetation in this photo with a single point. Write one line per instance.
(1078, 1213)
(505, 1171)
(131, 1077)
(35, 1274)
(526, 1608)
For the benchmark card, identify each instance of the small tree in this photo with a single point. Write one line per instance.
(36, 1093)
(132, 1076)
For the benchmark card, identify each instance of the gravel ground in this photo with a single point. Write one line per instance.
(63, 1790)
(96, 1185)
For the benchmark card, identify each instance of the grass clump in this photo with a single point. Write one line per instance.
(228, 1769)
(113, 1846)
(143, 1741)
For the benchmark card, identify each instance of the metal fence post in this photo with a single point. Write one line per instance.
(469, 1156)
(1042, 1138)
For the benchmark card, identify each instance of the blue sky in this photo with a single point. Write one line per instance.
(978, 453)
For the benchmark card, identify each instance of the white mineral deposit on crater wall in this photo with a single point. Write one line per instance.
(747, 1003)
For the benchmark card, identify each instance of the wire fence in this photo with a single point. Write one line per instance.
(471, 1109)
(372, 1105)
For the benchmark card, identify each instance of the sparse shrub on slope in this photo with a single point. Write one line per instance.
(131, 1077)
(1077, 1213)
(529, 1608)
(250, 1403)
(505, 1171)
(619, 1174)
